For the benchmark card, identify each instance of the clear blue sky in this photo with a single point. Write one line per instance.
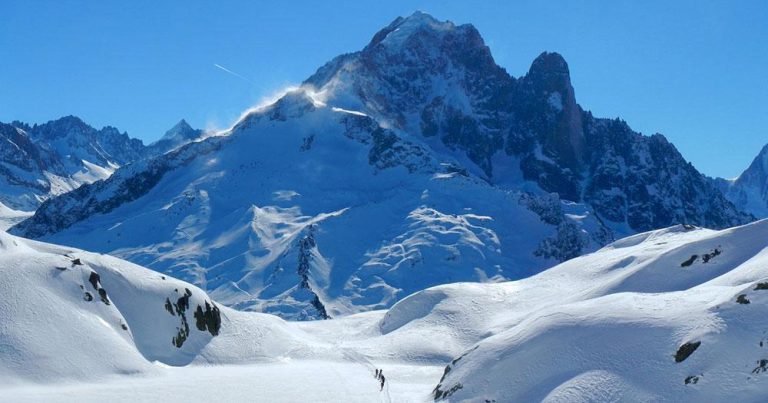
(696, 71)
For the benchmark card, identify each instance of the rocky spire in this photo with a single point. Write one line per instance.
(549, 90)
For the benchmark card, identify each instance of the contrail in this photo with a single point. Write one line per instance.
(218, 66)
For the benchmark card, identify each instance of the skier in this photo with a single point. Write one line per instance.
(376, 374)
(382, 383)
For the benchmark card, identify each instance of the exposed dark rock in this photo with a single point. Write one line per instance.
(317, 304)
(169, 307)
(77, 262)
(742, 299)
(182, 333)
(182, 304)
(306, 143)
(94, 279)
(686, 350)
(708, 256)
(762, 366)
(761, 286)
(306, 245)
(444, 394)
(691, 380)
(439, 393)
(689, 261)
(208, 319)
(103, 296)
(88, 296)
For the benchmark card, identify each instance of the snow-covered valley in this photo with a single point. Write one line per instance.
(617, 324)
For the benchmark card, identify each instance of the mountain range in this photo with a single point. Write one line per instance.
(414, 162)
(38, 162)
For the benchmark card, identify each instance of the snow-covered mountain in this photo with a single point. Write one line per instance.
(676, 314)
(42, 161)
(439, 81)
(415, 162)
(310, 211)
(177, 136)
(749, 192)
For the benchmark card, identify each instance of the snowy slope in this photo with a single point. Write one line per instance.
(326, 213)
(113, 317)
(63, 337)
(641, 319)
(10, 217)
(607, 326)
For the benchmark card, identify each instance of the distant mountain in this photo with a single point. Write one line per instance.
(41, 161)
(415, 162)
(179, 135)
(749, 192)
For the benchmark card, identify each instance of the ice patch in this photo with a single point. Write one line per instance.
(555, 100)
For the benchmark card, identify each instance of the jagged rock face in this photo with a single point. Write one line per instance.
(23, 164)
(422, 75)
(435, 79)
(545, 104)
(41, 161)
(749, 192)
(16, 148)
(647, 183)
(71, 136)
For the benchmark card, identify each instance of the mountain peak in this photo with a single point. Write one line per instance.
(181, 130)
(69, 121)
(422, 19)
(403, 28)
(178, 135)
(551, 70)
(181, 126)
(757, 172)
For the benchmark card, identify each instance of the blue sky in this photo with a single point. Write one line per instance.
(696, 71)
